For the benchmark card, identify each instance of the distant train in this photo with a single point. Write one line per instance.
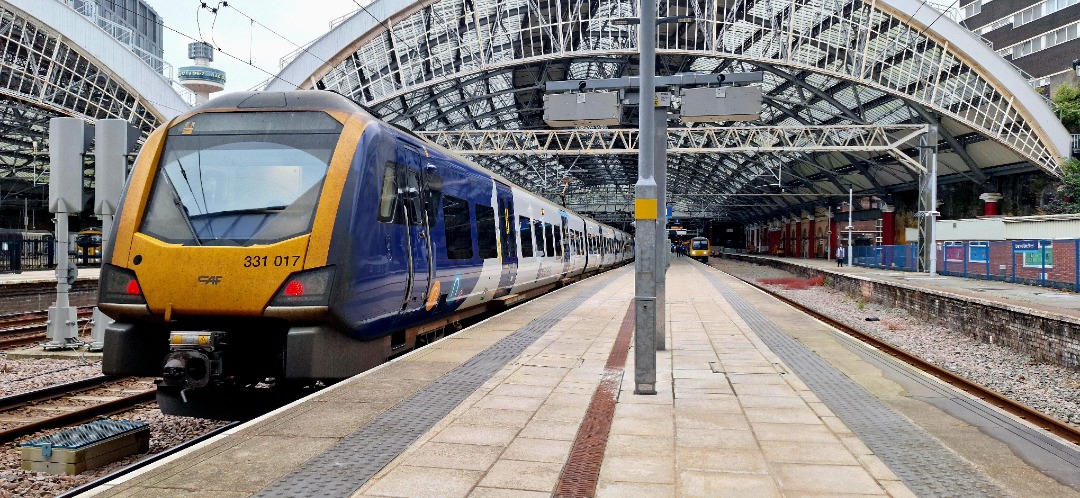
(292, 238)
(699, 249)
(88, 243)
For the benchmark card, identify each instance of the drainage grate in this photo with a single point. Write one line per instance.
(916, 457)
(347, 465)
(84, 435)
(582, 469)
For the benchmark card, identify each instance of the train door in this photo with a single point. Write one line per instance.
(507, 237)
(416, 200)
(563, 238)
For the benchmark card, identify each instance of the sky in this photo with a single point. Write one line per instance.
(231, 30)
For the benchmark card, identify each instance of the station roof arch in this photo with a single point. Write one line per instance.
(59, 63)
(482, 65)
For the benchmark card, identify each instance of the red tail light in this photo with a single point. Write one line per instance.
(294, 289)
(306, 288)
(119, 286)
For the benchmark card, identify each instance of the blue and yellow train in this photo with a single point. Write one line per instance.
(290, 238)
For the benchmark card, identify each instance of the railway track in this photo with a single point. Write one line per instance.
(1035, 417)
(26, 329)
(70, 404)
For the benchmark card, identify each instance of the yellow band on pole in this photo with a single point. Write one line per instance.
(645, 209)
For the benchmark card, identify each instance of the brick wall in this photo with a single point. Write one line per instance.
(1050, 339)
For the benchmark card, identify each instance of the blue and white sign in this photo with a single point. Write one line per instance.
(1025, 245)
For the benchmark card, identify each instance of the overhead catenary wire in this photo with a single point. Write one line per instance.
(158, 22)
(279, 35)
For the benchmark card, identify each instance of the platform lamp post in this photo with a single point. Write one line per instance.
(69, 138)
(116, 138)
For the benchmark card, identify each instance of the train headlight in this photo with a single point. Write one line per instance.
(119, 286)
(306, 288)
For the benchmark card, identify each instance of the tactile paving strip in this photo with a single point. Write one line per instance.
(917, 458)
(347, 465)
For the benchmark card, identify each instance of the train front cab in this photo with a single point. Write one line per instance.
(216, 251)
(699, 249)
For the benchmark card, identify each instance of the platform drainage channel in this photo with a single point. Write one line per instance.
(925, 466)
(347, 465)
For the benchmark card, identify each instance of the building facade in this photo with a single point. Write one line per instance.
(1039, 36)
(145, 25)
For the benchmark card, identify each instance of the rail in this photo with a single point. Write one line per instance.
(1037, 418)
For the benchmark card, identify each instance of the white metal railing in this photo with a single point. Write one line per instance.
(287, 58)
(126, 36)
(120, 32)
(1076, 143)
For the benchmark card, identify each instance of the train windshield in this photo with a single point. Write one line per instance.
(699, 244)
(240, 178)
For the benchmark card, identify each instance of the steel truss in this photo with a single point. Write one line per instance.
(703, 140)
(464, 65)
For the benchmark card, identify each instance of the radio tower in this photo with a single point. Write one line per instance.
(201, 78)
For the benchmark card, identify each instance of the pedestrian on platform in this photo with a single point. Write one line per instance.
(840, 254)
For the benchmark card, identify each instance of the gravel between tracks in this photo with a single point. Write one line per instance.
(18, 376)
(1050, 389)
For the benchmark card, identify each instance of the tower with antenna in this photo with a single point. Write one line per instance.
(201, 78)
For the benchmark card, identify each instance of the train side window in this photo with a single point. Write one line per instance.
(388, 197)
(486, 225)
(525, 227)
(538, 229)
(432, 193)
(458, 228)
(410, 193)
(549, 239)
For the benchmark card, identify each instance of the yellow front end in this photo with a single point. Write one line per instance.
(236, 281)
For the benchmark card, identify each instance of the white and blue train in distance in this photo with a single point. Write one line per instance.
(290, 238)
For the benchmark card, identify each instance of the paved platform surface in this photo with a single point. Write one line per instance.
(752, 399)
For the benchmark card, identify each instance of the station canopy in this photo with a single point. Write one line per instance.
(472, 74)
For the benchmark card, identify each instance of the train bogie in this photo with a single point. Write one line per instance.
(292, 238)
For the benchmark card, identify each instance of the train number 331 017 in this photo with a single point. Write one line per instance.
(261, 261)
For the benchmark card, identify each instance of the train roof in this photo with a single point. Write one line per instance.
(297, 99)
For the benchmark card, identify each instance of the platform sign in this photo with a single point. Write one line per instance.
(1025, 245)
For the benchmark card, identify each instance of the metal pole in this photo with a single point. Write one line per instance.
(828, 235)
(663, 253)
(645, 211)
(850, 227)
(931, 216)
(62, 329)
